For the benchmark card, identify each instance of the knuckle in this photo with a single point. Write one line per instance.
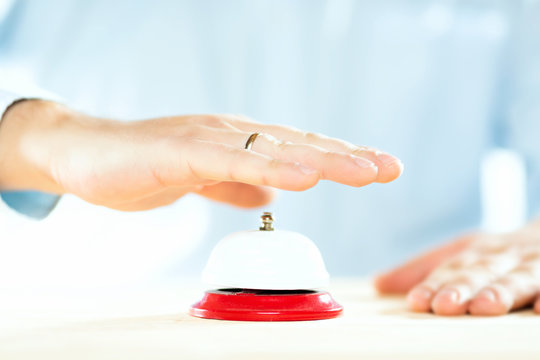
(311, 136)
(274, 164)
(282, 146)
(215, 121)
(529, 268)
(491, 245)
(269, 138)
(455, 264)
(532, 255)
(461, 261)
(486, 264)
(328, 156)
(361, 152)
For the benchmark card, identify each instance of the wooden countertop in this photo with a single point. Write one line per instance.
(156, 326)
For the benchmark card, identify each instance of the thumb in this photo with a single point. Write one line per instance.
(238, 194)
(403, 278)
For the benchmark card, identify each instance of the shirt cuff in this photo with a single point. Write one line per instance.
(34, 204)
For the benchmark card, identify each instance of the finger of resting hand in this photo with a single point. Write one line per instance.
(389, 166)
(454, 297)
(450, 286)
(238, 194)
(512, 291)
(340, 167)
(475, 271)
(405, 277)
(419, 299)
(204, 160)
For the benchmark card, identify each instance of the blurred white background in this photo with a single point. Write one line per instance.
(446, 85)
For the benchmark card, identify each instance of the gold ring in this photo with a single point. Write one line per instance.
(251, 140)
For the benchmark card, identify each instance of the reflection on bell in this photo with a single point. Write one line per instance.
(266, 275)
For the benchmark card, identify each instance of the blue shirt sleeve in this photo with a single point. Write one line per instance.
(34, 204)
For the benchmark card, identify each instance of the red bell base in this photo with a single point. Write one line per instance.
(266, 305)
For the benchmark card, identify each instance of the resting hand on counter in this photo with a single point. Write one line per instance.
(478, 274)
(145, 164)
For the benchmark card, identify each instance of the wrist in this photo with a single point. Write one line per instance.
(25, 141)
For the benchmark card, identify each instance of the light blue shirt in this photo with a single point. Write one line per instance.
(436, 83)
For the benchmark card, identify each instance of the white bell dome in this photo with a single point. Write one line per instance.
(266, 259)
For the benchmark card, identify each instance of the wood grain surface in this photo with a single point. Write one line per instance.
(156, 326)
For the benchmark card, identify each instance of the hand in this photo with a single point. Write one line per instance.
(145, 164)
(477, 274)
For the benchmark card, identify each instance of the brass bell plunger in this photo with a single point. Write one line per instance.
(266, 275)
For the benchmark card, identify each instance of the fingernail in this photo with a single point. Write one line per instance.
(420, 294)
(419, 299)
(363, 163)
(389, 160)
(449, 295)
(307, 170)
(487, 294)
